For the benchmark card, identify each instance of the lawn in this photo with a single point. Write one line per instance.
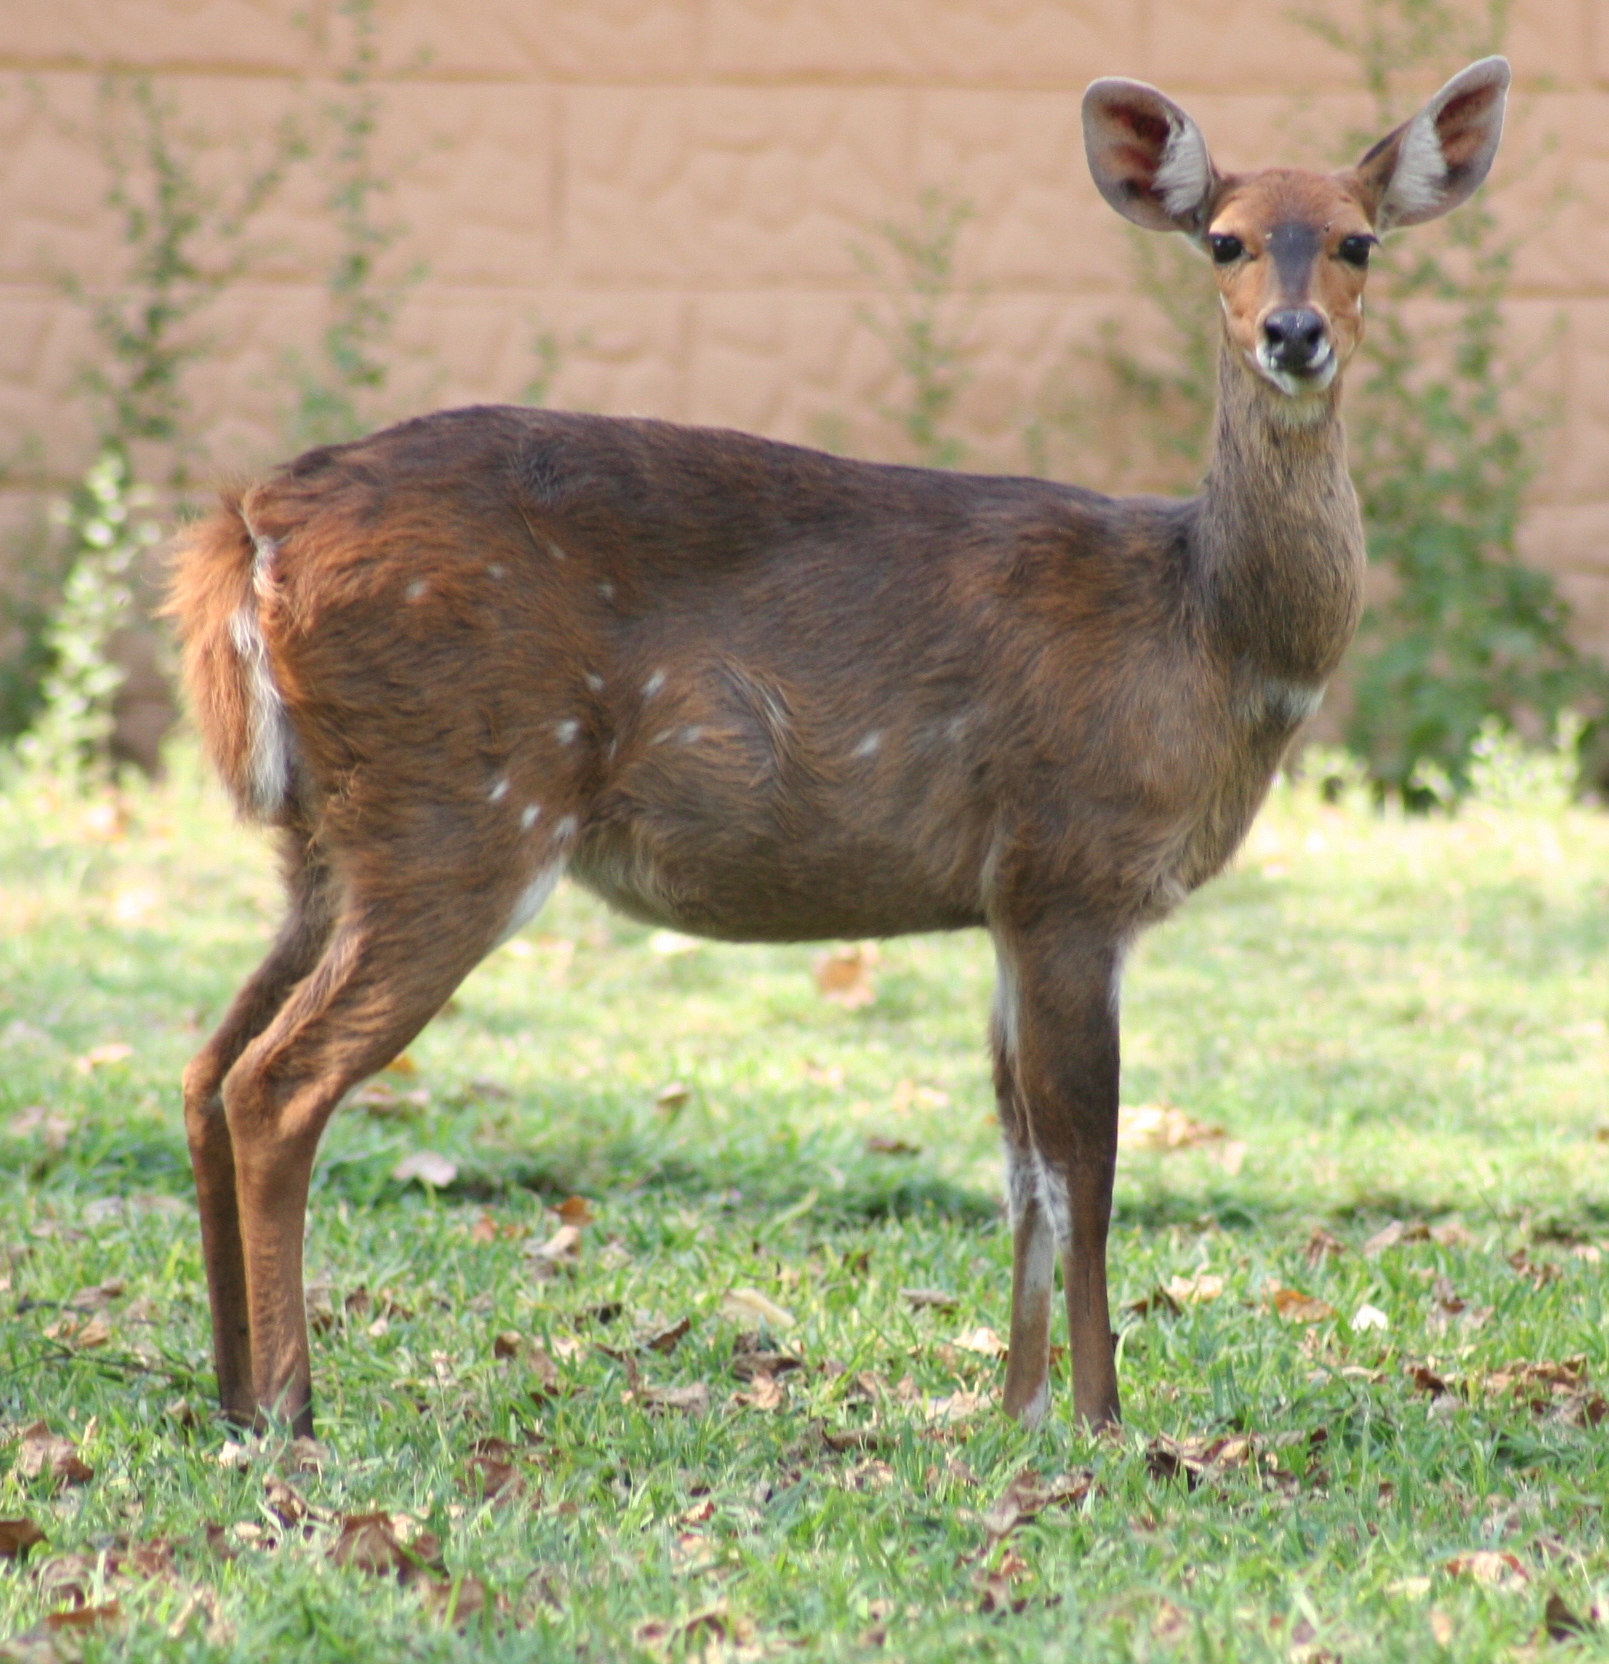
(681, 1339)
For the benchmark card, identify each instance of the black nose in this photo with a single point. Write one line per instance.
(1295, 337)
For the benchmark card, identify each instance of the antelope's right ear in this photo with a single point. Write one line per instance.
(1148, 157)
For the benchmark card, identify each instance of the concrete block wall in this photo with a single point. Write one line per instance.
(675, 190)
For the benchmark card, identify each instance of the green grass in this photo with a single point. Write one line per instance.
(1399, 1019)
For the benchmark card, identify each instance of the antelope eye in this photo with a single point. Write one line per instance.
(1355, 250)
(1225, 249)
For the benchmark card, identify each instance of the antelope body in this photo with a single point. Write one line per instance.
(759, 693)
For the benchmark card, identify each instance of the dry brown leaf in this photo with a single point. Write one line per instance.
(1297, 1307)
(982, 1340)
(490, 1471)
(53, 1127)
(1394, 1233)
(1496, 1568)
(693, 1400)
(429, 1167)
(750, 1305)
(1561, 1623)
(843, 976)
(17, 1536)
(929, 1299)
(575, 1210)
(101, 1057)
(1169, 1623)
(458, 1600)
(879, 1144)
(765, 1392)
(1197, 1457)
(672, 1097)
(370, 1543)
(284, 1501)
(1452, 1233)
(1193, 1291)
(666, 1338)
(1426, 1380)
(1029, 1494)
(43, 1454)
(996, 1584)
(98, 1296)
(1322, 1246)
(563, 1247)
(1442, 1627)
(1163, 1128)
(747, 1362)
(384, 1102)
(1538, 1273)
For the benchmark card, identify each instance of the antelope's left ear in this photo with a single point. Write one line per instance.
(1434, 161)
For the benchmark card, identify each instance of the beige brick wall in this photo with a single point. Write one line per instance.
(673, 187)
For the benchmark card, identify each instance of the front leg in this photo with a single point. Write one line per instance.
(1057, 1045)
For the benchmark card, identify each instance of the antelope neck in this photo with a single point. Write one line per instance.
(1278, 537)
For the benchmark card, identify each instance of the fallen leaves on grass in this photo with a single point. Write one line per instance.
(1030, 1494)
(1296, 1306)
(748, 1305)
(54, 1456)
(996, 1584)
(1449, 1309)
(843, 975)
(17, 1536)
(1180, 1292)
(670, 1099)
(879, 1144)
(1496, 1568)
(983, 1341)
(383, 1102)
(1368, 1317)
(429, 1167)
(52, 1127)
(1394, 1233)
(491, 1471)
(1198, 1458)
(750, 1361)
(1162, 1128)
(692, 1400)
(665, 1338)
(1538, 1273)
(562, 1248)
(1561, 1623)
(764, 1392)
(1322, 1246)
(82, 1334)
(372, 1543)
(510, 1344)
(102, 1057)
(712, 1632)
(929, 1299)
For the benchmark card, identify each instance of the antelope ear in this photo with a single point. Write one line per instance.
(1148, 157)
(1433, 162)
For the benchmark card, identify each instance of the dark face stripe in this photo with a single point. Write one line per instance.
(1294, 246)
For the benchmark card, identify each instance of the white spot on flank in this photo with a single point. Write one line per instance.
(268, 745)
(653, 684)
(499, 791)
(496, 569)
(869, 745)
(556, 552)
(607, 591)
(567, 730)
(531, 901)
(416, 590)
(566, 827)
(692, 735)
(1054, 1200)
(663, 735)
(529, 816)
(594, 682)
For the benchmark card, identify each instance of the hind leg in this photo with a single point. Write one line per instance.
(391, 962)
(302, 938)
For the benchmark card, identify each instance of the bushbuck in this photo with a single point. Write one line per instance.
(753, 692)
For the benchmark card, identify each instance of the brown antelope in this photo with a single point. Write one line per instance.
(757, 693)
